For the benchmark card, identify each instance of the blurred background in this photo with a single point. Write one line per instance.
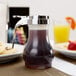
(56, 9)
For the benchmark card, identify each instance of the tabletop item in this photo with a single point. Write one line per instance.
(72, 45)
(71, 21)
(63, 49)
(61, 31)
(9, 56)
(38, 53)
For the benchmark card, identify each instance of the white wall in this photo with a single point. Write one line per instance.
(57, 9)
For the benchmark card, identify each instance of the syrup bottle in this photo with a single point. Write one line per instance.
(38, 53)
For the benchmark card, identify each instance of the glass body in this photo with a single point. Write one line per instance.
(61, 32)
(38, 52)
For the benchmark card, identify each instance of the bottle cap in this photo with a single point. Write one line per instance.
(38, 19)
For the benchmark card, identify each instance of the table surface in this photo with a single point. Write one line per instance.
(70, 60)
(17, 68)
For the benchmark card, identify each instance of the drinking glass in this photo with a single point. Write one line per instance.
(61, 31)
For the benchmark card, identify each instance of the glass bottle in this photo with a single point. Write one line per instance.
(38, 53)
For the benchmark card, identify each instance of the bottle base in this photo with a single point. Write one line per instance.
(38, 66)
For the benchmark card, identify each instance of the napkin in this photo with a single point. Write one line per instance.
(64, 66)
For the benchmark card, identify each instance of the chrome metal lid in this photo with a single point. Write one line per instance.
(38, 19)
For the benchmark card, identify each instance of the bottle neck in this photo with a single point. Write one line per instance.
(38, 32)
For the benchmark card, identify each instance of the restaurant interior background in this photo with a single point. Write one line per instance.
(56, 9)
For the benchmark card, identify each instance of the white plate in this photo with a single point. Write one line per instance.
(7, 57)
(69, 53)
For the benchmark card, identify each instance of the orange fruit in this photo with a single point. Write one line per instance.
(71, 21)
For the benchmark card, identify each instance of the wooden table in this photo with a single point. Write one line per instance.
(17, 68)
(73, 61)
